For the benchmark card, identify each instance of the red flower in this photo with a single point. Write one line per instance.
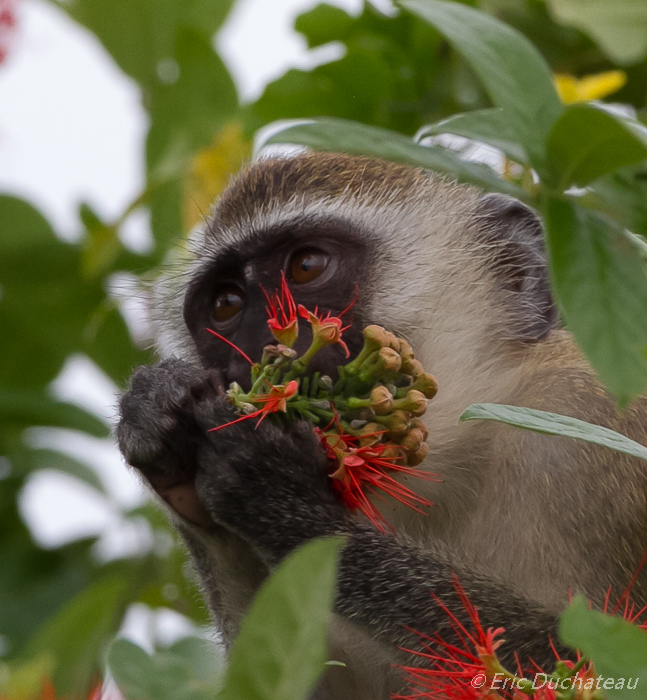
(358, 470)
(463, 670)
(325, 331)
(273, 402)
(282, 312)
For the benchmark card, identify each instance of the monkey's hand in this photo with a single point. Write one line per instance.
(159, 435)
(269, 485)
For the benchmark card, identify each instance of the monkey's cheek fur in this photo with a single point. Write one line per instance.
(183, 499)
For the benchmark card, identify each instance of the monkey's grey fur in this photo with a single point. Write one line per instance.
(522, 519)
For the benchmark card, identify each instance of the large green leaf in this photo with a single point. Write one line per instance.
(619, 26)
(350, 137)
(187, 113)
(601, 287)
(554, 424)
(624, 195)
(617, 649)
(281, 650)
(513, 72)
(189, 670)
(139, 34)
(588, 141)
(489, 126)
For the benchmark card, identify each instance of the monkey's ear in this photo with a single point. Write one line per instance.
(514, 244)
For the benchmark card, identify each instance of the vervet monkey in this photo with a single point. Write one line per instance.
(521, 518)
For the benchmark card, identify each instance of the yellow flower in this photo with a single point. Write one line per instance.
(590, 87)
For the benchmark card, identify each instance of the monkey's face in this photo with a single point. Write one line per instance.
(323, 267)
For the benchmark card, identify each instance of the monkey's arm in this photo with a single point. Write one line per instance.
(266, 491)
(272, 488)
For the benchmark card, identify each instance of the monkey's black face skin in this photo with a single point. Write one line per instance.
(323, 265)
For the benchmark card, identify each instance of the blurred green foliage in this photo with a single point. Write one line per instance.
(434, 67)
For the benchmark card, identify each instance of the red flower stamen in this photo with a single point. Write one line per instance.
(231, 345)
(273, 402)
(282, 311)
(358, 470)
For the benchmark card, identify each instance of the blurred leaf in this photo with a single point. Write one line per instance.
(281, 650)
(187, 112)
(620, 26)
(513, 72)
(489, 126)
(601, 288)
(588, 142)
(77, 633)
(24, 680)
(554, 424)
(323, 24)
(189, 670)
(34, 408)
(350, 137)
(34, 583)
(101, 245)
(47, 309)
(391, 75)
(28, 461)
(617, 648)
(139, 34)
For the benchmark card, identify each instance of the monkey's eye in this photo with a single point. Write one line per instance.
(307, 264)
(228, 302)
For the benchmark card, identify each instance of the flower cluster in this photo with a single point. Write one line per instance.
(468, 667)
(368, 421)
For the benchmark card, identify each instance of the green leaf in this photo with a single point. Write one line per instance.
(323, 24)
(554, 424)
(77, 633)
(189, 670)
(588, 141)
(624, 194)
(139, 34)
(350, 137)
(25, 408)
(512, 70)
(617, 648)
(620, 27)
(489, 126)
(281, 650)
(601, 287)
(186, 114)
